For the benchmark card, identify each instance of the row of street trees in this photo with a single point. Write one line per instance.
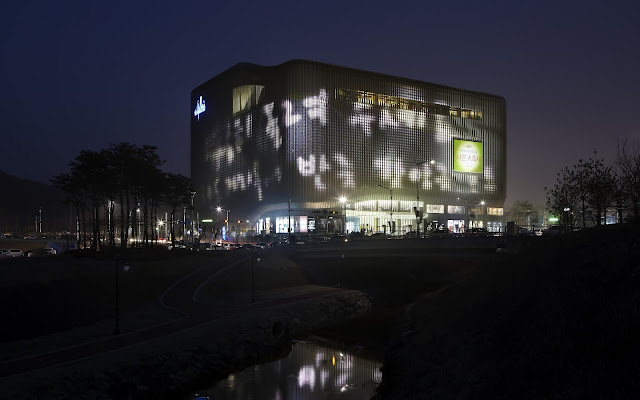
(523, 213)
(585, 191)
(126, 175)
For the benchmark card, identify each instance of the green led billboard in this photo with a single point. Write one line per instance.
(467, 156)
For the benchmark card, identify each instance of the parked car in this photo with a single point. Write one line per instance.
(43, 252)
(4, 253)
(554, 230)
(16, 253)
(478, 232)
(440, 232)
(522, 231)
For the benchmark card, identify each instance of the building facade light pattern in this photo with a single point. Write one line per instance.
(288, 138)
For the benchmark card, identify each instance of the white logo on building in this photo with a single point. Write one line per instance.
(200, 108)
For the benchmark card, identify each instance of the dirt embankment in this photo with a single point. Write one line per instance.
(559, 319)
(168, 368)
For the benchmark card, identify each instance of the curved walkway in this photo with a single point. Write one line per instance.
(184, 296)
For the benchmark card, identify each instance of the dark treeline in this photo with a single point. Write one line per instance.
(583, 193)
(120, 189)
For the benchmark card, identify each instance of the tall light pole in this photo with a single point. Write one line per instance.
(125, 268)
(192, 212)
(418, 194)
(227, 221)
(253, 280)
(343, 201)
(289, 222)
(391, 213)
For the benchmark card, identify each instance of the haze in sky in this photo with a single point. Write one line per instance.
(82, 75)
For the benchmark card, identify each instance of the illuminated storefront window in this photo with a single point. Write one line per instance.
(495, 211)
(477, 210)
(455, 225)
(455, 209)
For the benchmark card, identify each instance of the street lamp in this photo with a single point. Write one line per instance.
(160, 224)
(343, 201)
(391, 213)
(227, 220)
(192, 215)
(253, 280)
(125, 268)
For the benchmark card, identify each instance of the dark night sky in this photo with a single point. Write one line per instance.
(76, 75)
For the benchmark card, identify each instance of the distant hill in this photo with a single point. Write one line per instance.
(20, 201)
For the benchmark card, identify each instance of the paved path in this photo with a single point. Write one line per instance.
(185, 296)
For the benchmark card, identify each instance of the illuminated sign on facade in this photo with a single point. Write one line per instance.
(467, 156)
(434, 208)
(200, 108)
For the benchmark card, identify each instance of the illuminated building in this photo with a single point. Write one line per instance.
(281, 145)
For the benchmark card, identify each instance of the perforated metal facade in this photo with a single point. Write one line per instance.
(294, 138)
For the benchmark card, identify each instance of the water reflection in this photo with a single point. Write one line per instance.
(310, 371)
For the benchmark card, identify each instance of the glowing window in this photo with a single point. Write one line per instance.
(246, 97)
(384, 100)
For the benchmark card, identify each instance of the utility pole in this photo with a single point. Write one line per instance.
(289, 222)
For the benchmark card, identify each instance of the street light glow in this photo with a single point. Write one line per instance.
(342, 199)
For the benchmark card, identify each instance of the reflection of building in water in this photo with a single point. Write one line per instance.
(290, 140)
(310, 371)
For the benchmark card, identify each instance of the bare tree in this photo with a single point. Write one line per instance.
(177, 194)
(601, 187)
(523, 213)
(562, 198)
(628, 169)
(588, 188)
(125, 172)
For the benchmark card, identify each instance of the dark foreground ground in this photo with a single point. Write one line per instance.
(558, 320)
(547, 318)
